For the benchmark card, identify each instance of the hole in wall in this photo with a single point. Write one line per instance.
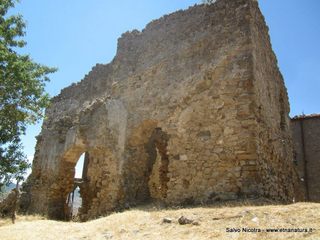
(185, 184)
(74, 199)
(79, 166)
(74, 202)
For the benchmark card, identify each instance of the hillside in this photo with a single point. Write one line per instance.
(147, 223)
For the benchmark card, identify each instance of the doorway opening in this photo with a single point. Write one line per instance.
(74, 199)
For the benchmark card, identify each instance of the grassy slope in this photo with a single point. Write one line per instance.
(146, 223)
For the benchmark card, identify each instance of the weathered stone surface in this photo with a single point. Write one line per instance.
(306, 136)
(9, 204)
(167, 220)
(183, 220)
(192, 109)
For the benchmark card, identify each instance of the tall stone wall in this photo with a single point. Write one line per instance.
(192, 109)
(271, 110)
(306, 136)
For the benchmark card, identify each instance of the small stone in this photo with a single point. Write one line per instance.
(196, 223)
(167, 220)
(183, 220)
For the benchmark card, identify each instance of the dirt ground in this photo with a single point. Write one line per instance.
(228, 221)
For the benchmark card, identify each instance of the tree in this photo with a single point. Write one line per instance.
(22, 93)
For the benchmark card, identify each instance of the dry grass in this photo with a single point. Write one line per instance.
(146, 223)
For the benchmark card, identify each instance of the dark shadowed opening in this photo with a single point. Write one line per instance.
(158, 145)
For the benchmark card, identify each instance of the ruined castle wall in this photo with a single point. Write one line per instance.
(306, 136)
(205, 142)
(279, 179)
(180, 115)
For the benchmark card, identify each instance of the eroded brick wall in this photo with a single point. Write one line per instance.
(306, 136)
(279, 179)
(192, 109)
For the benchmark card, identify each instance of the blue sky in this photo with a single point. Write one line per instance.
(75, 35)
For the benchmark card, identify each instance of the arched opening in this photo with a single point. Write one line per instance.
(74, 199)
(79, 167)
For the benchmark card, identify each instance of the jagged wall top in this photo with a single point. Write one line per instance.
(191, 109)
(168, 34)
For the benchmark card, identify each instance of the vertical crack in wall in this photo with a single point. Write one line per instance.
(158, 144)
(283, 123)
(161, 142)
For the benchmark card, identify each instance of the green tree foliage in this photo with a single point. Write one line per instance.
(22, 93)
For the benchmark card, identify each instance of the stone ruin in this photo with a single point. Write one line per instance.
(306, 137)
(192, 109)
